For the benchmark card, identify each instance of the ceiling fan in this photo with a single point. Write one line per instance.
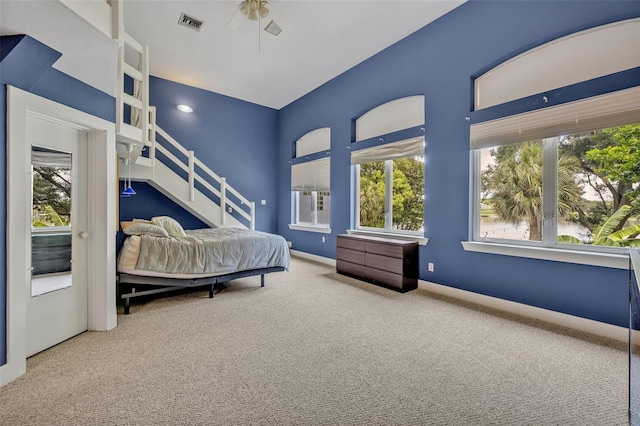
(259, 11)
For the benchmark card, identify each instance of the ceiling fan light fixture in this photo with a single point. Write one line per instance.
(264, 10)
(244, 8)
(273, 28)
(253, 15)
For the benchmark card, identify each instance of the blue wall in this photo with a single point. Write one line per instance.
(440, 62)
(29, 69)
(236, 139)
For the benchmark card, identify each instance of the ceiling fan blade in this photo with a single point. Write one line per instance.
(236, 19)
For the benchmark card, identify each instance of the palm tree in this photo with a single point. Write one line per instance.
(371, 204)
(515, 185)
(606, 234)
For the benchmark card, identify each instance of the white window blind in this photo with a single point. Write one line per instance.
(315, 141)
(390, 117)
(600, 112)
(311, 176)
(390, 151)
(578, 57)
(50, 159)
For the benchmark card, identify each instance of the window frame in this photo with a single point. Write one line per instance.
(388, 203)
(548, 248)
(313, 146)
(518, 86)
(314, 210)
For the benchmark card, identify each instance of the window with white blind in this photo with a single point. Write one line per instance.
(389, 189)
(310, 182)
(563, 177)
(388, 195)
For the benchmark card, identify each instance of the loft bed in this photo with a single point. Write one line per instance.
(159, 256)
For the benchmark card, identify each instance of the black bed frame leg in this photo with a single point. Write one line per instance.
(127, 305)
(262, 280)
(211, 291)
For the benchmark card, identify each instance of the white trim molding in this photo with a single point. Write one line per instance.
(584, 325)
(102, 188)
(310, 228)
(607, 260)
(597, 328)
(313, 258)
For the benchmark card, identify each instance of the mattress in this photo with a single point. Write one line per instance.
(202, 253)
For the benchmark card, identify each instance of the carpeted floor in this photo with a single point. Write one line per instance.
(317, 348)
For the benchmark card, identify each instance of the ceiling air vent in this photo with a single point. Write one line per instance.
(273, 28)
(190, 22)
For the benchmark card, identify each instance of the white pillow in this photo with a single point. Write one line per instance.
(169, 224)
(141, 228)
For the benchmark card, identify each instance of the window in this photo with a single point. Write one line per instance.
(390, 187)
(567, 176)
(310, 182)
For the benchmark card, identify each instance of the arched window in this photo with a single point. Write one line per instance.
(310, 182)
(389, 168)
(564, 175)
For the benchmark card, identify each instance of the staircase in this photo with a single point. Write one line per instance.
(149, 154)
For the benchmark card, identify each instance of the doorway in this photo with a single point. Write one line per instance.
(100, 208)
(57, 297)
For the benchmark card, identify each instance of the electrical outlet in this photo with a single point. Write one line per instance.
(230, 209)
(324, 239)
(430, 267)
(263, 202)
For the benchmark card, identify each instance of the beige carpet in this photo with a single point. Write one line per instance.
(316, 348)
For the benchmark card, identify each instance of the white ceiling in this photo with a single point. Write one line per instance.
(87, 54)
(321, 39)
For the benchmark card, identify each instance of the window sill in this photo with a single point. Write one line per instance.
(310, 228)
(607, 260)
(420, 240)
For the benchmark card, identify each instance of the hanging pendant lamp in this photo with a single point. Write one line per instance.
(128, 191)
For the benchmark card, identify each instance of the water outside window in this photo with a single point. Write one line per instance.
(597, 197)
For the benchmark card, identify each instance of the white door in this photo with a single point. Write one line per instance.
(57, 301)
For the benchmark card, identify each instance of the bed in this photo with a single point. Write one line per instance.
(158, 256)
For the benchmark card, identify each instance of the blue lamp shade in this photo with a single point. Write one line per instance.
(128, 192)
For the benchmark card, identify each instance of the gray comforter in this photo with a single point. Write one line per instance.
(214, 251)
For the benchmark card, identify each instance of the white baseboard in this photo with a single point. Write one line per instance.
(596, 328)
(576, 323)
(314, 258)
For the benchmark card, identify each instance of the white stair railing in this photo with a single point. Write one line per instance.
(141, 130)
(246, 209)
(137, 130)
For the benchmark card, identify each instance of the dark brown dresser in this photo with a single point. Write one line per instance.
(382, 261)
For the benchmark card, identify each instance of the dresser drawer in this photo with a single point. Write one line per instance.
(384, 277)
(348, 255)
(384, 249)
(349, 268)
(383, 261)
(390, 264)
(351, 244)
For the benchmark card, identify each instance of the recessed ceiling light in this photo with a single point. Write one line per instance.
(184, 108)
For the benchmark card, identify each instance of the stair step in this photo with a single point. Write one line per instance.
(129, 134)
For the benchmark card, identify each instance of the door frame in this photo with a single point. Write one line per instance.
(101, 200)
